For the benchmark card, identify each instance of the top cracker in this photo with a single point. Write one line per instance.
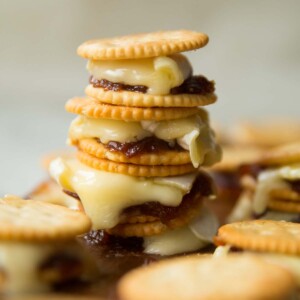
(160, 43)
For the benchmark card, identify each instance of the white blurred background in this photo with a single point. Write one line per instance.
(253, 55)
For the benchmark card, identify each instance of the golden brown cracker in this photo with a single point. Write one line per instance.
(285, 194)
(138, 229)
(284, 205)
(143, 45)
(165, 157)
(137, 219)
(262, 235)
(95, 109)
(131, 169)
(157, 227)
(282, 155)
(37, 221)
(198, 277)
(134, 99)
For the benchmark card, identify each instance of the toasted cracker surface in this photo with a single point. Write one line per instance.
(146, 100)
(166, 157)
(284, 205)
(156, 226)
(95, 109)
(282, 155)
(285, 194)
(203, 278)
(37, 221)
(133, 170)
(262, 235)
(143, 45)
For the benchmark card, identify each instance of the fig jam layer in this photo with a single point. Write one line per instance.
(198, 85)
(202, 187)
(146, 145)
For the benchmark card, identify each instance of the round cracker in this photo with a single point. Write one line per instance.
(131, 169)
(262, 235)
(146, 100)
(196, 277)
(143, 45)
(284, 205)
(285, 194)
(37, 221)
(166, 157)
(157, 227)
(137, 219)
(95, 109)
(282, 155)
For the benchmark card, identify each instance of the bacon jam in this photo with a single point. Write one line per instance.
(199, 85)
(146, 145)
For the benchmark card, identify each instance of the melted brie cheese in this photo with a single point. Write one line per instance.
(173, 242)
(159, 74)
(267, 181)
(105, 195)
(191, 133)
(20, 263)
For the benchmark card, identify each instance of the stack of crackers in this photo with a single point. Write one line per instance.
(142, 138)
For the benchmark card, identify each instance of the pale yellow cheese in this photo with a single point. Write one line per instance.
(159, 74)
(267, 181)
(107, 130)
(173, 242)
(20, 263)
(104, 195)
(191, 133)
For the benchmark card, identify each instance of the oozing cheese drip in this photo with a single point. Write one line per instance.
(195, 236)
(20, 263)
(256, 202)
(172, 242)
(159, 74)
(191, 133)
(104, 195)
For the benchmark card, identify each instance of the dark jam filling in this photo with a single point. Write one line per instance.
(100, 237)
(252, 170)
(117, 86)
(199, 85)
(146, 145)
(64, 266)
(202, 187)
(72, 194)
(295, 185)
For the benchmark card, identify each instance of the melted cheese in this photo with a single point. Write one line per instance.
(20, 263)
(107, 130)
(173, 242)
(159, 74)
(267, 181)
(205, 226)
(105, 195)
(191, 133)
(221, 251)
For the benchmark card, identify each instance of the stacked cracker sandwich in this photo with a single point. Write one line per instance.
(142, 140)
